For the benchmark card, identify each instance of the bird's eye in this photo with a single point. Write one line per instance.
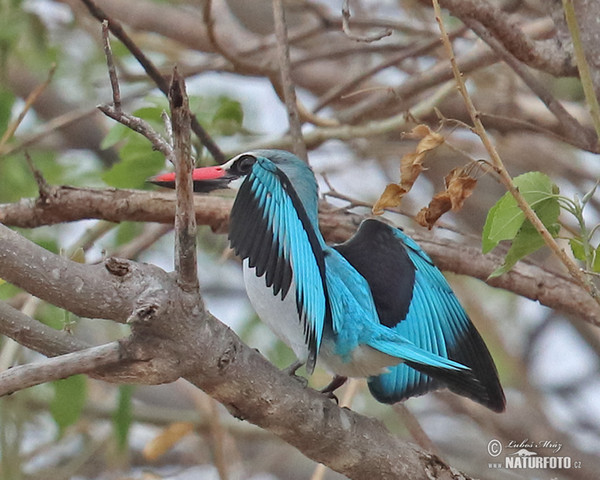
(243, 165)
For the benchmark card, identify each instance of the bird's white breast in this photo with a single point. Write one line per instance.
(280, 315)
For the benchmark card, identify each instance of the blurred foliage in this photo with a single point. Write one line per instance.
(123, 416)
(69, 400)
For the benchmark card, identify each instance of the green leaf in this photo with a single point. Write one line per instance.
(596, 262)
(577, 249)
(123, 417)
(527, 241)
(487, 244)
(505, 218)
(69, 400)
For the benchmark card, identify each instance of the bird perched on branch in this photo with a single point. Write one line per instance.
(375, 306)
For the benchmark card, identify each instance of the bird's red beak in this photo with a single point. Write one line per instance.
(205, 179)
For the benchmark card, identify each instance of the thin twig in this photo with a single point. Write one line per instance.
(83, 361)
(359, 38)
(110, 64)
(185, 220)
(582, 66)
(418, 49)
(118, 31)
(289, 92)
(31, 99)
(43, 187)
(140, 126)
(504, 176)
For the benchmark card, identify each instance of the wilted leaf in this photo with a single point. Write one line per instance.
(411, 166)
(439, 205)
(459, 186)
(391, 197)
(165, 440)
(429, 139)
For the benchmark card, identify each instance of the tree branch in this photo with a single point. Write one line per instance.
(71, 204)
(546, 55)
(35, 335)
(185, 221)
(179, 338)
(57, 368)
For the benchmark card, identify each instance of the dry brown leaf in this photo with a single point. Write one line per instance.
(429, 139)
(411, 166)
(459, 186)
(439, 205)
(165, 440)
(391, 197)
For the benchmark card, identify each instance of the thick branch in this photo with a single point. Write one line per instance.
(187, 341)
(95, 291)
(70, 204)
(546, 55)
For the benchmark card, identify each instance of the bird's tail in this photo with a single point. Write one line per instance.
(477, 379)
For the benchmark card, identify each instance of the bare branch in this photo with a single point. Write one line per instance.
(185, 221)
(71, 204)
(359, 38)
(35, 335)
(289, 91)
(546, 55)
(112, 71)
(57, 368)
(141, 126)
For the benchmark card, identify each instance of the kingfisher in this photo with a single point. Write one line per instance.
(374, 307)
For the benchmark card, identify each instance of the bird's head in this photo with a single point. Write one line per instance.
(207, 179)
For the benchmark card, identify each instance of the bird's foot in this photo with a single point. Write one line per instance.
(336, 383)
(291, 371)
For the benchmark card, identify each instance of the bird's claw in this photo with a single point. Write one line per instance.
(336, 383)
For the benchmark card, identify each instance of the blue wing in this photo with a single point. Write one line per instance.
(271, 228)
(413, 298)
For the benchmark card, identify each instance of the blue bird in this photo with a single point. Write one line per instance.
(375, 306)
